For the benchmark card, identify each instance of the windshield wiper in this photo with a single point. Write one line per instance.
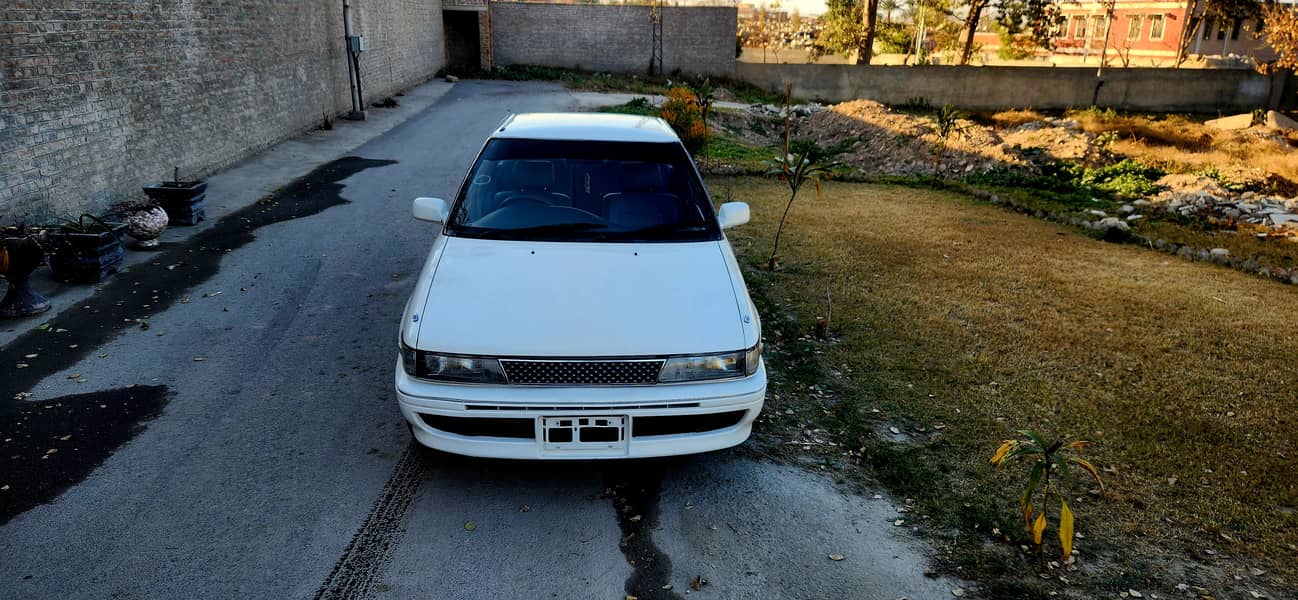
(660, 229)
(535, 229)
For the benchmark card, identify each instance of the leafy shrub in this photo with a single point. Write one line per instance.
(681, 110)
(1128, 179)
(818, 154)
(1125, 180)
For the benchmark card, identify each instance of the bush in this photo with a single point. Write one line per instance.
(682, 111)
(1125, 180)
(1128, 179)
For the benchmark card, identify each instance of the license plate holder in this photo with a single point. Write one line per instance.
(585, 432)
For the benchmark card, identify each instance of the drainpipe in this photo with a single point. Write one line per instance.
(351, 46)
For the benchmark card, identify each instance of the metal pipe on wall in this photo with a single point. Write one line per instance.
(353, 66)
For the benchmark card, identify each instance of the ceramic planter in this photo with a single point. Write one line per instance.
(145, 225)
(86, 257)
(20, 254)
(184, 201)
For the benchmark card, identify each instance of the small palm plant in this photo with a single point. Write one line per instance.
(1056, 460)
(947, 122)
(796, 170)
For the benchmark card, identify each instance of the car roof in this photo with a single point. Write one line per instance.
(604, 127)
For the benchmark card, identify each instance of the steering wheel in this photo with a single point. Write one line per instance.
(527, 198)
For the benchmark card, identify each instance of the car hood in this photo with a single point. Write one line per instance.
(565, 299)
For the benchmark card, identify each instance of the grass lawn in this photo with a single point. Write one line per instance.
(957, 323)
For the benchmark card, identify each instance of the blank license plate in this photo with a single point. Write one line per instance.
(584, 432)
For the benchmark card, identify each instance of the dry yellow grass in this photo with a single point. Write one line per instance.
(1009, 119)
(1185, 374)
(1181, 144)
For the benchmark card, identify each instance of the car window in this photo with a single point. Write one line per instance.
(583, 191)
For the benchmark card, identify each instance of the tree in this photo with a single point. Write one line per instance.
(888, 7)
(971, 20)
(795, 170)
(1281, 33)
(1215, 11)
(849, 26)
(867, 35)
(1036, 21)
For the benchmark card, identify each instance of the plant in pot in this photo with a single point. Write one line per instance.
(145, 221)
(20, 253)
(85, 250)
(184, 201)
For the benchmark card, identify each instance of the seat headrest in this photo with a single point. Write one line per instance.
(535, 175)
(641, 178)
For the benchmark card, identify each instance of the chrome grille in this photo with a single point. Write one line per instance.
(582, 372)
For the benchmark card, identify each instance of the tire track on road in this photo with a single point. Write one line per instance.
(371, 547)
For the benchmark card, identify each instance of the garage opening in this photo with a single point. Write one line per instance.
(463, 39)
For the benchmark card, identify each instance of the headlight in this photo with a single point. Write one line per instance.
(443, 367)
(711, 366)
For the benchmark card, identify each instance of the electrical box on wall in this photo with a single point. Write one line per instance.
(355, 43)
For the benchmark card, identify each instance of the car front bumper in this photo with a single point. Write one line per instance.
(494, 421)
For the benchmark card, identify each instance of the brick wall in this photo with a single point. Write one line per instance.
(612, 38)
(700, 39)
(98, 98)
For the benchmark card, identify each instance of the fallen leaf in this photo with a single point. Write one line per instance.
(66, 438)
(894, 430)
(957, 592)
(31, 356)
(667, 587)
(20, 366)
(43, 327)
(524, 508)
(470, 526)
(836, 557)
(199, 359)
(697, 583)
(899, 522)
(635, 519)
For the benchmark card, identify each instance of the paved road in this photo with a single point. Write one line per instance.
(224, 426)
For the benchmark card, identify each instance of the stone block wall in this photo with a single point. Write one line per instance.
(98, 98)
(617, 38)
(1048, 88)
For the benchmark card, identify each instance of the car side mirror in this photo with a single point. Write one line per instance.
(432, 210)
(732, 214)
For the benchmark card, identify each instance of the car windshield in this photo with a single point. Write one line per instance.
(581, 191)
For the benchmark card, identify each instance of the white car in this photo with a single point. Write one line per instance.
(581, 301)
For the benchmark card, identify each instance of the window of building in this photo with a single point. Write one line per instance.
(1221, 30)
(1133, 26)
(1156, 27)
(1234, 30)
(1079, 28)
(1097, 26)
(1207, 30)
